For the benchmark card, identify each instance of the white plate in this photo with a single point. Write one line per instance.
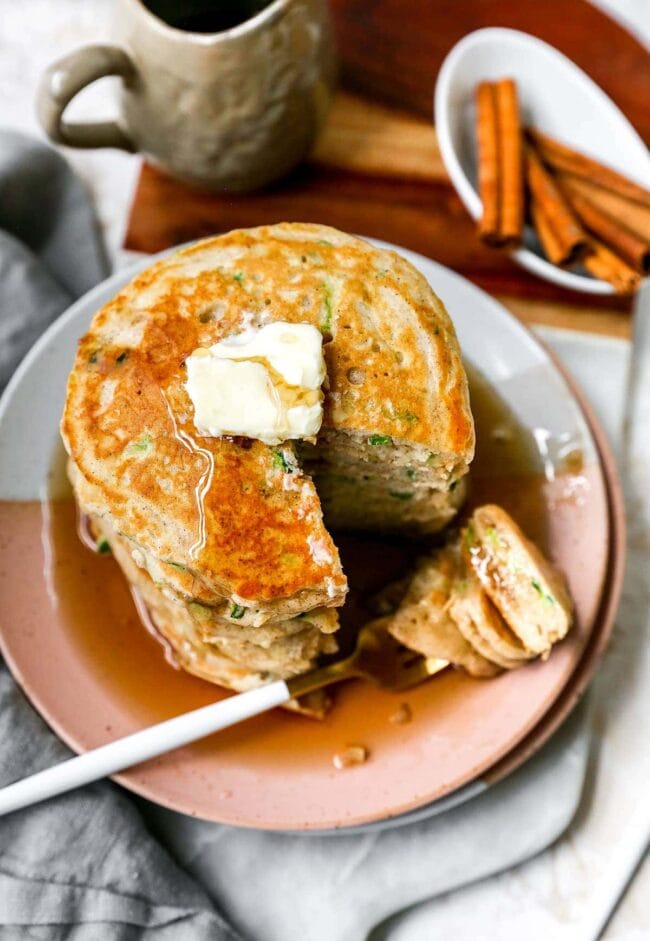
(557, 97)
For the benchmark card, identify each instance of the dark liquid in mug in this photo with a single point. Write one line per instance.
(205, 16)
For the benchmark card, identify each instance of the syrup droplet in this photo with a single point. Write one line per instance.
(349, 757)
(402, 715)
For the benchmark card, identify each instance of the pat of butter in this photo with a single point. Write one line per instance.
(264, 383)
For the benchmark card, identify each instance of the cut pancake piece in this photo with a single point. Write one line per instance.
(487, 600)
(432, 632)
(483, 627)
(358, 501)
(377, 483)
(423, 621)
(527, 590)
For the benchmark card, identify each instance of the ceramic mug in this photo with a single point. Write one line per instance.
(232, 109)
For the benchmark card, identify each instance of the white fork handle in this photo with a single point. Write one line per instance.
(131, 750)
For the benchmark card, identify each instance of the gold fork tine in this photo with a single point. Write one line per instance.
(420, 670)
(377, 657)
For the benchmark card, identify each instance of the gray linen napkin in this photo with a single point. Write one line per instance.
(82, 867)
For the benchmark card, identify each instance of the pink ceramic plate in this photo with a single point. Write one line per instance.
(74, 642)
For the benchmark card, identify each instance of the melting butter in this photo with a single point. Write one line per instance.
(263, 383)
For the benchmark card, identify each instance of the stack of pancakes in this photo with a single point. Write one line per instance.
(228, 540)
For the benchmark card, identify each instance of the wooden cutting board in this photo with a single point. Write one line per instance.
(392, 50)
(377, 170)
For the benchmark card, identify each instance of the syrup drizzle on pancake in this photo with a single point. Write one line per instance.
(205, 480)
(83, 529)
(148, 624)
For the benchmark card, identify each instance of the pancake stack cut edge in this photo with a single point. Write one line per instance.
(229, 541)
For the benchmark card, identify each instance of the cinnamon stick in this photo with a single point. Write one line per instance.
(561, 157)
(633, 215)
(623, 241)
(569, 239)
(488, 162)
(509, 139)
(553, 249)
(500, 165)
(607, 266)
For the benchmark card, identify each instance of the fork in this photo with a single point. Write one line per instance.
(377, 657)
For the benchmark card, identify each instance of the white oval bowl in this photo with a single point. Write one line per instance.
(557, 97)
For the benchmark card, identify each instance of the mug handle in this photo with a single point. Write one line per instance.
(64, 79)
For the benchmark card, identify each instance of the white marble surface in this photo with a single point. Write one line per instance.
(545, 897)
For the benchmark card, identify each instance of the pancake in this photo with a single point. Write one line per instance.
(487, 600)
(423, 621)
(232, 529)
(398, 504)
(483, 627)
(527, 590)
